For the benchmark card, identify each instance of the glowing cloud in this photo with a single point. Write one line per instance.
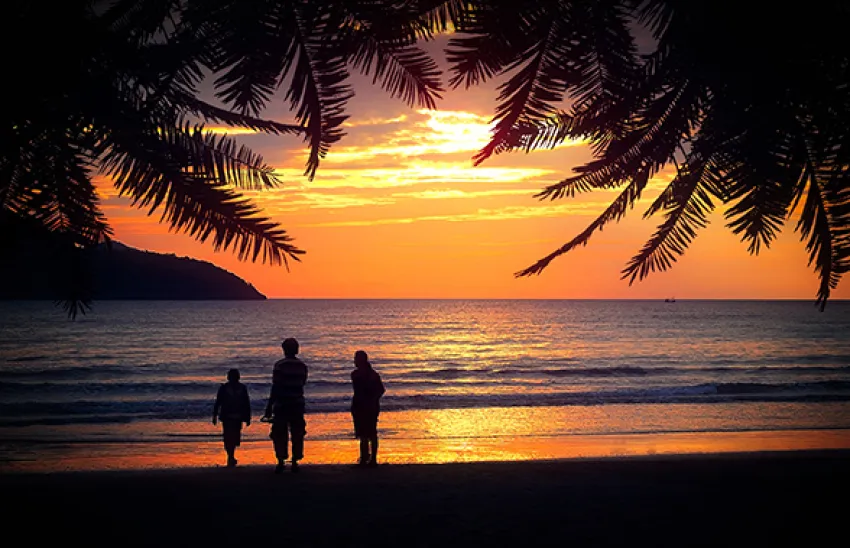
(501, 214)
(376, 121)
(227, 130)
(436, 132)
(421, 172)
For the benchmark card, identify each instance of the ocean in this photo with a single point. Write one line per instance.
(132, 383)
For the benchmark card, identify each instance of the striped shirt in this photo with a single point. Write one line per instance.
(288, 380)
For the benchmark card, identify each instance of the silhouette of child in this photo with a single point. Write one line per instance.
(233, 407)
(366, 406)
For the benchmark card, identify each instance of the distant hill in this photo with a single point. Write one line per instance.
(123, 273)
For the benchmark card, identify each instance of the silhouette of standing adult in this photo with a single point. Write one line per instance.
(232, 407)
(366, 406)
(285, 408)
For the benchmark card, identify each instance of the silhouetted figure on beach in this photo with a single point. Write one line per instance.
(366, 406)
(232, 407)
(286, 406)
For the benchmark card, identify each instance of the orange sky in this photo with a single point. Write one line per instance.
(398, 210)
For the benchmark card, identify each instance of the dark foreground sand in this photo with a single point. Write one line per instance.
(757, 499)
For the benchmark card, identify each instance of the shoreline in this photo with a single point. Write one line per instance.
(657, 458)
(47, 457)
(759, 498)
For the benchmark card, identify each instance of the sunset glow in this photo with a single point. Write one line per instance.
(397, 209)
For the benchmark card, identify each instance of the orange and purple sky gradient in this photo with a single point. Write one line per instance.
(397, 210)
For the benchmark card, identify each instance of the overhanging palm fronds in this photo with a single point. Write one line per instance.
(758, 122)
(307, 47)
(120, 105)
(185, 173)
(614, 212)
(404, 71)
(687, 201)
(730, 115)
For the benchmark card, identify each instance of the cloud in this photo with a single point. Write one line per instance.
(501, 214)
(453, 193)
(421, 172)
(301, 201)
(230, 130)
(434, 132)
(376, 121)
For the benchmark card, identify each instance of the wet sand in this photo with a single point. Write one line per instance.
(731, 499)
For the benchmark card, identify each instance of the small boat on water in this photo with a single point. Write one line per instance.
(673, 300)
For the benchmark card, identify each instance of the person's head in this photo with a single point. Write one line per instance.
(290, 347)
(233, 375)
(361, 359)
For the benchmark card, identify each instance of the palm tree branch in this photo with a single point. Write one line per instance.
(247, 50)
(211, 113)
(824, 219)
(216, 157)
(155, 172)
(687, 214)
(405, 71)
(614, 212)
(540, 81)
(317, 91)
(652, 144)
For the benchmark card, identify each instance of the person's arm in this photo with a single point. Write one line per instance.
(270, 404)
(217, 406)
(246, 406)
(381, 388)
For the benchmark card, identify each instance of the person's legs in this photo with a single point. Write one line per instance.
(298, 426)
(373, 459)
(370, 433)
(364, 450)
(280, 438)
(361, 432)
(229, 449)
(366, 428)
(231, 432)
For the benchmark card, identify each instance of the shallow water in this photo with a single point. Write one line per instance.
(136, 373)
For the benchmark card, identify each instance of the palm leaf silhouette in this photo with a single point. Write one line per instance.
(751, 122)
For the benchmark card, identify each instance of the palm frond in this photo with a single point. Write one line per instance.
(404, 71)
(218, 158)
(50, 197)
(655, 14)
(765, 166)
(540, 82)
(318, 92)
(438, 16)
(140, 20)
(825, 217)
(547, 133)
(76, 286)
(158, 173)
(56, 192)
(488, 39)
(210, 113)
(689, 210)
(608, 66)
(404, 23)
(652, 143)
(815, 227)
(250, 54)
(614, 212)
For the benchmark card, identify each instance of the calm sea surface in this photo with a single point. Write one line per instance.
(147, 372)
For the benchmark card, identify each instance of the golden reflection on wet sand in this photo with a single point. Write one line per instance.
(433, 451)
(451, 435)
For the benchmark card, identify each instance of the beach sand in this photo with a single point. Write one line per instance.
(732, 499)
